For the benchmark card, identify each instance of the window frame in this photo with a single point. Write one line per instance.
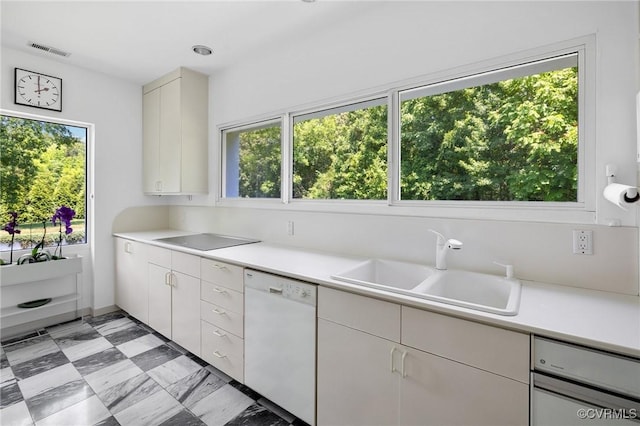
(223, 167)
(581, 211)
(323, 111)
(89, 179)
(586, 144)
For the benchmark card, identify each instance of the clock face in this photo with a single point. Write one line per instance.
(38, 90)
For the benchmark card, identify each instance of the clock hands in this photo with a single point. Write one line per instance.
(38, 90)
(41, 89)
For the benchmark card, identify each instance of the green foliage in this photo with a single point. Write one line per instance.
(341, 156)
(42, 166)
(260, 163)
(515, 140)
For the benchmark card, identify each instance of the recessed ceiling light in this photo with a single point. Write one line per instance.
(202, 50)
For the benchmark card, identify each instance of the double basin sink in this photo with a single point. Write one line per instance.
(474, 290)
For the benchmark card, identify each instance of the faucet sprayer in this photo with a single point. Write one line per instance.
(442, 245)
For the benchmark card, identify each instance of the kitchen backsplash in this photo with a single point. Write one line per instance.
(539, 251)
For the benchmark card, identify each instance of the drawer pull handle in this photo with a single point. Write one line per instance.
(275, 290)
(219, 334)
(218, 266)
(218, 290)
(219, 355)
(218, 311)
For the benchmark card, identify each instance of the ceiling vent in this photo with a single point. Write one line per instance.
(48, 49)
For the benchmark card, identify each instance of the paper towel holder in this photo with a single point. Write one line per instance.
(631, 195)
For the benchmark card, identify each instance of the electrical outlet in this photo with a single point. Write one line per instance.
(582, 241)
(290, 229)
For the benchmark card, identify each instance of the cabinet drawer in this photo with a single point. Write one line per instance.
(489, 348)
(223, 350)
(222, 296)
(372, 316)
(222, 274)
(159, 256)
(185, 263)
(221, 317)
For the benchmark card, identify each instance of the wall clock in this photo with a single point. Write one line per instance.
(38, 90)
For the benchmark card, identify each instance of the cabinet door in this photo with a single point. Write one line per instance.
(356, 385)
(151, 141)
(131, 278)
(170, 142)
(185, 309)
(160, 299)
(436, 391)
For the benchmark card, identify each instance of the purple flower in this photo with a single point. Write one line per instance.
(12, 229)
(12, 226)
(65, 215)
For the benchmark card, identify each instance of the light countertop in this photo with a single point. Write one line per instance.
(608, 321)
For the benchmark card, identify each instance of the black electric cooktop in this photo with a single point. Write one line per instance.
(206, 242)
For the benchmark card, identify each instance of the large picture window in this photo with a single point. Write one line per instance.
(517, 133)
(341, 153)
(508, 135)
(43, 166)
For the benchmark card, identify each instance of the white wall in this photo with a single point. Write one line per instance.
(385, 43)
(115, 108)
(393, 41)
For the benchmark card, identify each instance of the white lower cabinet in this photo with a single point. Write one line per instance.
(174, 296)
(196, 302)
(223, 350)
(366, 379)
(438, 391)
(160, 299)
(131, 278)
(222, 316)
(355, 383)
(185, 317)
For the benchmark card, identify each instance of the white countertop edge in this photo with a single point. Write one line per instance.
(615, 329)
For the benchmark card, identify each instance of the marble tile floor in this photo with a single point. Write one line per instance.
(114, 370)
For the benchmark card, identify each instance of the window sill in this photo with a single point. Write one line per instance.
(509, 212)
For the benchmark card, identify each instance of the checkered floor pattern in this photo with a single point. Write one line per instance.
(114, 370)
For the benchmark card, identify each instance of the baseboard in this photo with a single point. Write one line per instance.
(28, 327)
(105, 310)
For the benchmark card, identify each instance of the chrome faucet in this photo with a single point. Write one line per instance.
(441, 249)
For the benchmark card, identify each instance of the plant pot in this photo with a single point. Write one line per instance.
(31, 272)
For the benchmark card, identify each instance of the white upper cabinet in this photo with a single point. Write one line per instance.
(175, 134)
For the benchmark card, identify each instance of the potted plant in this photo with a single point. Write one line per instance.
(45, 266)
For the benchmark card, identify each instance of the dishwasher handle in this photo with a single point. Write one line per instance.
(585, 394)
(280, 287)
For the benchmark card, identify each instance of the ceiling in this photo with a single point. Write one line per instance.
(140, 41)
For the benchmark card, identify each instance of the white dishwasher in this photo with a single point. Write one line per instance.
(280, 341)
(575, 385)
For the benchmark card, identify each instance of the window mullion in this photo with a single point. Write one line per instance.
(393, 148)
(286, 167)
